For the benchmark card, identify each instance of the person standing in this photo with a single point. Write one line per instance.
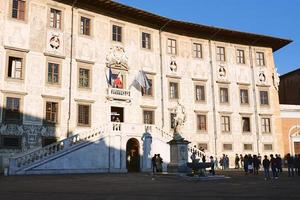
(242, 160)
(274, 167)
(153, 162)
(266, 166)
(237, 162)
(290, 164)
(212, 165)
(256, 164)
(159, 162)
(246, 164)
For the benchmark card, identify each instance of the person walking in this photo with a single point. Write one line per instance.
(297, 164)
(290, 164)
(274, 167)
(278, 163)
(266, 166)
(153, 162)
(250, 163)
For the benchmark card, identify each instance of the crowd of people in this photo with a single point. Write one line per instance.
(156, 162)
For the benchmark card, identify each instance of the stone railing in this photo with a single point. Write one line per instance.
(26, 159)
(198, 152)
(132, 128)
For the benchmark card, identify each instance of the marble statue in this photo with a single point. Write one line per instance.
(179, 119)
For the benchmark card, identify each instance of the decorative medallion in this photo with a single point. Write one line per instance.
(262, 77)
(222, 72)
(173, 65)
(117, 57)
(54, 42)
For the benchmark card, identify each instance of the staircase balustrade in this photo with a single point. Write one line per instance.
(18, 162)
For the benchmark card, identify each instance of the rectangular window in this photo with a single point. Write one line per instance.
(246, 124)
(84, 78)
(200, 93)
(260, 58)
(172, 120)
(12, 110)
(146, 40)
(268, 147)
(248, 147)
(85, 26)
(265, 125)
(148, 92)
(11, 142)
(240, 56)
(84, 115)
(225, 123)
(117, 33)
(201, 122)
(18, 9)
(227, 147)
(264, 99)
(148, 117)
(244, 97)
(197, 50)
(174, 90)
(55, 18)
(51, 112)
(224, 95)
(202, 146)
(220, 54)
(172, 46)
(15, 66)
(53, 73)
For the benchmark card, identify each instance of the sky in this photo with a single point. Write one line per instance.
(279, 18)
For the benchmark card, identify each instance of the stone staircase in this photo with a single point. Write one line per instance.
(30, 162)
(23, 162)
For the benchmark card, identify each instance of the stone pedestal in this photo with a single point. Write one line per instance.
(179, 155)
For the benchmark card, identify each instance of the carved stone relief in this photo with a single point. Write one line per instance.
(173, 64)
(262, 79)
(276, 79)
(117, 57)
(222, 73)
(55, 42)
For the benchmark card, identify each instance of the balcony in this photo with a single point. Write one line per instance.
(118, 94)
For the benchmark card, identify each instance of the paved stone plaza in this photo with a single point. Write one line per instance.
(144, 186)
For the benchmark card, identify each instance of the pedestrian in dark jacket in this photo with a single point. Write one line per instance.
(278, 163)
(274, 167)
(256, 164)
(246, 164)
(153, 161)
(290, 164)
(266, 166)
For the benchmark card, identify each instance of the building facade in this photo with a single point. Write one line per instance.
(290, 116)
(70, 66)
(289, 88)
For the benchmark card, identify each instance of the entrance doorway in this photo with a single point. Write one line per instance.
(117, 114)
(132, 155)
(297, 147)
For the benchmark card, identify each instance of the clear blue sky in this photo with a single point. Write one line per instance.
(280, 18)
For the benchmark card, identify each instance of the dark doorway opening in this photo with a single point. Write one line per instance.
(297, 147)
(132, 155)
(117, 114)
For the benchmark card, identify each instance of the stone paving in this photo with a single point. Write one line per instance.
(145, 186)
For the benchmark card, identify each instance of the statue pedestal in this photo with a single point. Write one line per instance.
(179, 155)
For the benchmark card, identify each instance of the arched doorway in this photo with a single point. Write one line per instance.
(294, 134)
(133, 155)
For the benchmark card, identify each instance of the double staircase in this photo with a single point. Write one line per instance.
(26, 162)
